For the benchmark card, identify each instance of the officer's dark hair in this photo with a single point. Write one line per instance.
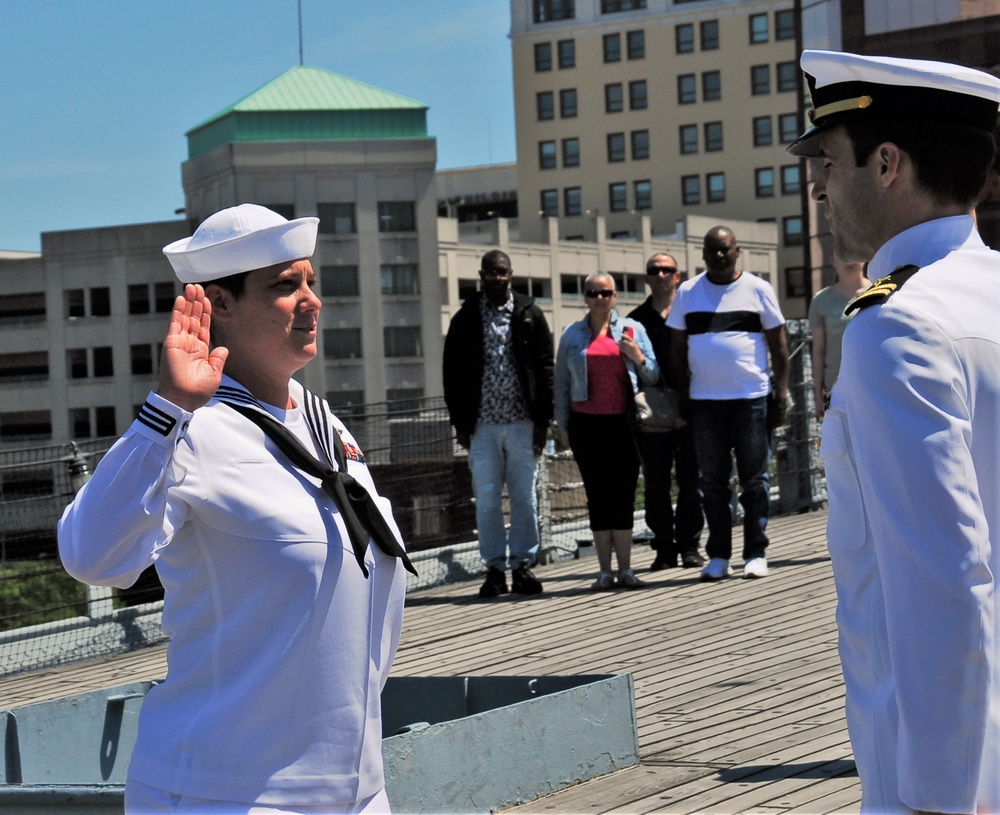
(493, 257)
(951, 159)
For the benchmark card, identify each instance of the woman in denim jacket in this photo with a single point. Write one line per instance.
(600, 361)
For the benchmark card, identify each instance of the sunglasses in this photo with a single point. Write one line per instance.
(662, 270)
(606, 293)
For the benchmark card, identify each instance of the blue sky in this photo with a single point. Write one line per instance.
(97, 94)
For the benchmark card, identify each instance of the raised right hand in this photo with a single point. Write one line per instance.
(190, 370)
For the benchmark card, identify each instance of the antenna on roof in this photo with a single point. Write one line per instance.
(301, 62)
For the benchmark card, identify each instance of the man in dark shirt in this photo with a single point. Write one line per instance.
(676, 534)
(498, 363)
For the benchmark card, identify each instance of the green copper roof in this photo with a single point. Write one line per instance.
(309, 103)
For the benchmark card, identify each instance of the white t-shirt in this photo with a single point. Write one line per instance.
(725, 324)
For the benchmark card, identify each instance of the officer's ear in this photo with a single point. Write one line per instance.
(889, 161)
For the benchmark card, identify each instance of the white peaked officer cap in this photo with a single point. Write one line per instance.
(240, 239)
(843, 85)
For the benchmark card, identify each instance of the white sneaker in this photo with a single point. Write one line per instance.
(755, 567)
(716, 569)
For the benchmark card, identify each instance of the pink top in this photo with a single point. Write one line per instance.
(607, 378)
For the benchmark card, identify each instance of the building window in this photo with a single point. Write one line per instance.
(543, 56)
(618, 197)
(567, 53)
(346, 403)
(715, 185)
(612, 6)
(638, 98)
(548, 10)
(686, 89)
(787, 75)
(636, 43)
(791, 229)
(164, 295)
(100, 302)
(784, 25)
(403, 400)
(614, 101)
(689, 139)
(400, 278)
(612, 47)
(643, 192)
(640, 145)
(284, 210)
(141, 358)
(26, 424)
(103, 362)
(711, 86)
(138, 299)
(760, 79)
(567, 103)
(616, 147)
(790, 180)
(545, 104)
(24, 366)
(546, 155)
(396, 216)
(402, 341)
(572, 201)
(684, 38)
(105, 421)
(336, 219)
(713, 137)
(79, 422)
(764, 182)
(788, 127)
(339, 281)
(690, 189)
(74, 303)
(571, 152)
(795, 281)
(342, 343)
(550, 203)
(710, 35)
(22, 308)
(762, 132)
(76, 363)
(758, 28)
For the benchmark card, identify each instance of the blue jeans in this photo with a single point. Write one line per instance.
(721, 428)
(499, 454)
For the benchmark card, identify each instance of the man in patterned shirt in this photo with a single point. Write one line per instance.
(498, 363)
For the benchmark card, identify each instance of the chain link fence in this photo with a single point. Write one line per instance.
(47, 618)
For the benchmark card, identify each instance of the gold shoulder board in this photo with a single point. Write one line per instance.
(882, 288)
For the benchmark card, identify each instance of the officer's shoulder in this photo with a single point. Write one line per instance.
(882, 289)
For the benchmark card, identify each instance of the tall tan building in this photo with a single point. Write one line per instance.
(660, 107)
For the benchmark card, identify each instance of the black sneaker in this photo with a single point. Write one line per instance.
(663, 561)
(522, 581)
(494, 585)
(692, 560)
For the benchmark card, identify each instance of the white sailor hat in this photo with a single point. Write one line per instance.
(843, 84)
(240, 239)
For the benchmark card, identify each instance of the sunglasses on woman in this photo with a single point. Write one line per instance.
(606, 293)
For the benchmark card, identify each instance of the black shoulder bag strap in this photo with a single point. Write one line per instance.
(358, 509)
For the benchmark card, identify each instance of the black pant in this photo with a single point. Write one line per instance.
(674, 533)
(605, 452)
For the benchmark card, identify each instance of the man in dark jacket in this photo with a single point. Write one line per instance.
(675, 534)
(498, 387)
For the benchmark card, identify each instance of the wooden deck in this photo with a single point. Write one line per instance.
(738, 689)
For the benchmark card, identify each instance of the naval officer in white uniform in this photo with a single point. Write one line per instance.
(911, 443)
(283, 619)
